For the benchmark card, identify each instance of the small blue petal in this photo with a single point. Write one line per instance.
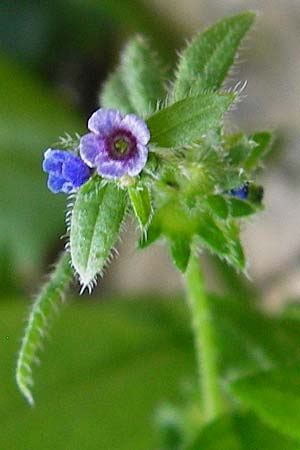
(67, 187)
(55, 183)
(75, 171)
(53, 160)
(241, 192)
(67, 172)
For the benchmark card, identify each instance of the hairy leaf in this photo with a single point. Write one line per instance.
(38, 323)
(205, 63)
(141, 204)
(152, 235)
(221, 239)
(95, 225)
(240, 208)
(142, 74)
(246, 152)
(262, 143)
(180, 249)
(218, 206)
(187, 120)
(114, 94)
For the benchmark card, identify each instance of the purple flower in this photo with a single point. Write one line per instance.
(117, 145)
(240, 192)
(66, 171)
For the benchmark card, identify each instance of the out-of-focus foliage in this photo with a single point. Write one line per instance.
(35, 31)
(31, 118)
(103, 357)
(259, 365)
(109, 366)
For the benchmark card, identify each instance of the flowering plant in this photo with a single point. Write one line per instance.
(160, 151)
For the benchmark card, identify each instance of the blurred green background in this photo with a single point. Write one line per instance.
(110, 362)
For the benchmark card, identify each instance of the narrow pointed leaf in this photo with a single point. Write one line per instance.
(152, 235)
(240, 208)
(205, 63)
(142, 75)
(141, 204)
(38, 323)
(180, 249)
(221, 239)
(187, 120)
(218, 206)
(95, 225)
(262, 143)
(114, 94)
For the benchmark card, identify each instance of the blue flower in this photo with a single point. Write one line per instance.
(66, 171)
(117, 145)
(240, 192)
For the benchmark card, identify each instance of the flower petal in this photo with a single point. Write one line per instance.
(53, 160)
(75, 171)
(90, 147)
(57, 184)
(103, 121)
(109, 168)
(137, 127)
(136, 164)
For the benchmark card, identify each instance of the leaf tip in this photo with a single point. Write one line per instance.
(23, 385)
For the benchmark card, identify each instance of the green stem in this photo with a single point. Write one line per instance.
(205, 342)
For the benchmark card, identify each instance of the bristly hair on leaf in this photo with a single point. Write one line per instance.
(39, 321)
(96, 220)
(205, 63)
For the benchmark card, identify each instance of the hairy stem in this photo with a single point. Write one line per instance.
(205, 342)
(38, 323)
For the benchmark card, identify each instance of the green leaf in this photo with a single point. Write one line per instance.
(38, 323)
(250, 340)
(205, 63)
(221, 239)
(211, 235)
(180, 249)
(218, 206)
(238, 148)
(95, 225)
(153, 233)
(262, 143)
(274, 395)
(141, 204)
(241, 432)
(114, 94)
(240, 208)
(142, 75)
(187, 120)
(247, 151)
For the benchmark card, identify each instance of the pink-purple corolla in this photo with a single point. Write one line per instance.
(116, 145)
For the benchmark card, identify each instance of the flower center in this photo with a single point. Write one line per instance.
(121, 145)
